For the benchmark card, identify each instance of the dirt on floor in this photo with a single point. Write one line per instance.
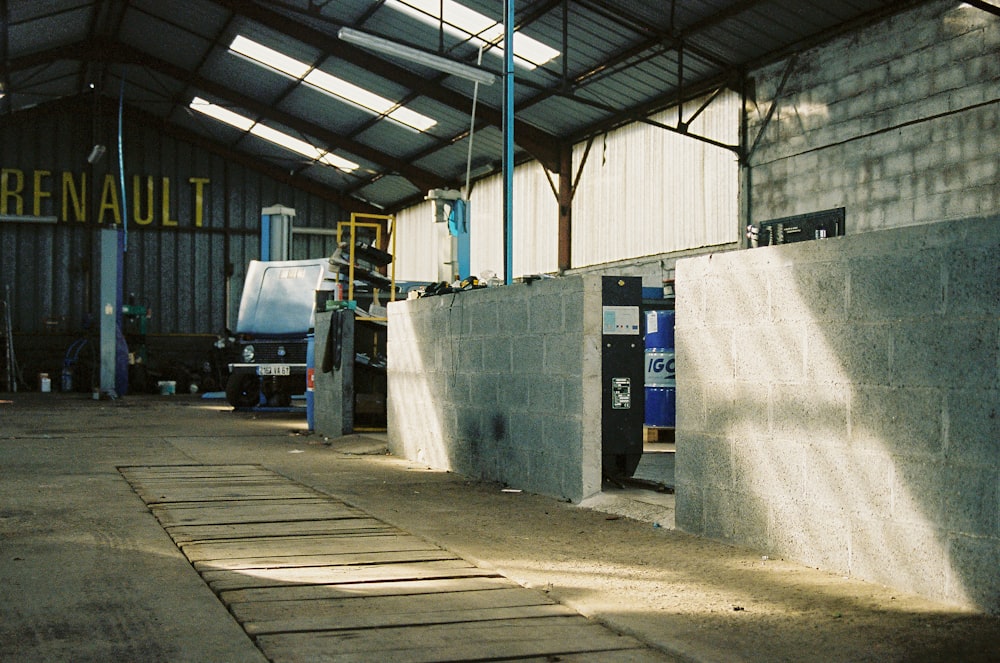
(694, 599)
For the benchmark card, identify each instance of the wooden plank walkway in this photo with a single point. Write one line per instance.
(311, 578)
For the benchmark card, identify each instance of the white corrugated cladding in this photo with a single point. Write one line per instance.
(421, 245)
(645, 190)
(417, 244)
(536, 224)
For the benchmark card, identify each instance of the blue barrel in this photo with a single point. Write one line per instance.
(660, 382)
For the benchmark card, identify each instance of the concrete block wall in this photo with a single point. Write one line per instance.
(501, 384)
(899, 123)
(839, 404)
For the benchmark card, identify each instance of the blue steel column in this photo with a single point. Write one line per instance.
(508, 141)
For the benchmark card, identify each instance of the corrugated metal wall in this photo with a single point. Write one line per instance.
(643, 191)
(190, 275)
(646, 190)
(535, 229)
(422, 245)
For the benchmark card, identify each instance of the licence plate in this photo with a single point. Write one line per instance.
(275, 369)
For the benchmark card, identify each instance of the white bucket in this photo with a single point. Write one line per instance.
(44, 382)
(167, 387)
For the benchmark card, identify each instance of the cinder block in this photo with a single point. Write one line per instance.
(689, 507)
(900, 421)
(813, 534)
(973, 417)
(751, 522)
(482, 317)
(859, 482)
(973, 575)
(545, 394)
(946, 354)
(771, 353)
(847, 353)
(573, 310)
(513, 392)
(514, 320)
(704, 460)
(527, 430)
(768, 470)
(973, 281)
(959, 499)
(470, 355)
(484, 390)
(562, 437)
(545, 314)
(706, 354)
(816, 412)
(911, 556)
(563, 354)
(808, 291)
(897, 284)
(720, 514)
(528, 354)
(736, 297)
(497, 354)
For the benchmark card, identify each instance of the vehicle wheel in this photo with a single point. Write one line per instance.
(243, 390)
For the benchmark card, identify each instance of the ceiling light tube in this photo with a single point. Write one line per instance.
(417, 56)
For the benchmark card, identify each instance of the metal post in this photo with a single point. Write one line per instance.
(508, 141)
(114, 376)
(276, 233)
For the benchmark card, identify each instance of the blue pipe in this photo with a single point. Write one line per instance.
(121, 160)
(508, 142)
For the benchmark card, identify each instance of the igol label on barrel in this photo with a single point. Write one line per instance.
(660, 370)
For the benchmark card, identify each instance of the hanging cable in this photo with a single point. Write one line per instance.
(472, 126)
(121, 160)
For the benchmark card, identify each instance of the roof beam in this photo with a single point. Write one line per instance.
(277, 173)
(104, 50)
(420, 178)
(540, 144)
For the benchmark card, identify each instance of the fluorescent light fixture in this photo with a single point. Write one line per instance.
(464, 23)
(417, 56)
(330, 84)
(279, 138)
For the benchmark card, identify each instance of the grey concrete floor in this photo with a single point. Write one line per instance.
(88, 574)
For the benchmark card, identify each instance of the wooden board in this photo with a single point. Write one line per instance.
(199, 533)
(463, 641)
(314, 579)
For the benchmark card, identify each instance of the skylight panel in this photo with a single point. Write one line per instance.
(461, 22)
(359, 96)
(221, 114)
(269, 57)
(337, 87)
(272, 135)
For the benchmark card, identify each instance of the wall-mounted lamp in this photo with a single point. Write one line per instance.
(417, 56)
